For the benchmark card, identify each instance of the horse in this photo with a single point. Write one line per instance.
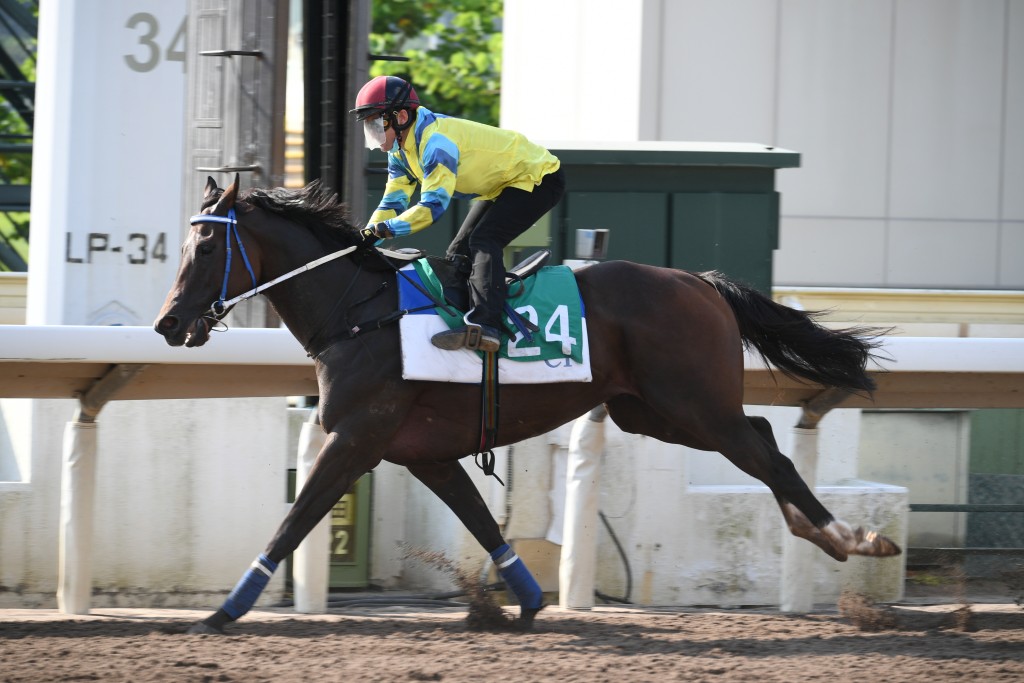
(666, 350)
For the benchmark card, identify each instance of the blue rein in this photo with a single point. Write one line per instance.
(232, 230)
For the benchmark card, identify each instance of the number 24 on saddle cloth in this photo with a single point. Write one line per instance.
(550, 300)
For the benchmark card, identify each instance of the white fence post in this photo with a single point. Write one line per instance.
(578, 566)
(78, 491)
(796, 592)
(311, 560)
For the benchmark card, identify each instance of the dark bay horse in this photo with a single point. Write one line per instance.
(666, 350)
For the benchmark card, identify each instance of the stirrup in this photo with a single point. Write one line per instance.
(477, 341)
(470, 336)
(473, 335)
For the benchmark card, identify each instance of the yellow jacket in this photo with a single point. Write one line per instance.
(452, 157)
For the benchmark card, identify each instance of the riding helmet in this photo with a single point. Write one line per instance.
(384, 94)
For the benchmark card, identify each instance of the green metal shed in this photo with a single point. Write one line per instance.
(688, 205)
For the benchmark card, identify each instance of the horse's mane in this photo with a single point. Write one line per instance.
(313, 206)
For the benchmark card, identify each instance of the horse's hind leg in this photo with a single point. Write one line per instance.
(836, 537)
(449, 481)
(750, 445)
(796, 521)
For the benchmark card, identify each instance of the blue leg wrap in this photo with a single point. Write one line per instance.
(518, 578)
(248, 590)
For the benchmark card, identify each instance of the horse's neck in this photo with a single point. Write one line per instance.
(308, 303)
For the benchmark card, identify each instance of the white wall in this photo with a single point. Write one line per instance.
(556, 72)
(183, 506)
(106, 161)
(907, 113)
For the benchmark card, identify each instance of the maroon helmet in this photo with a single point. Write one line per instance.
(382, 95)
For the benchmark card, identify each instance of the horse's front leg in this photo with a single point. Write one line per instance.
(337, 467)
(451, 484)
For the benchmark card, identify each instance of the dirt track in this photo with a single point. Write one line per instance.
(607, 644)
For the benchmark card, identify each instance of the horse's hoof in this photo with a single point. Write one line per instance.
(874, 544)
(526, 617)
(859, 541)
(203, 629)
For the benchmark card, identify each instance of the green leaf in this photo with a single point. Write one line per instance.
(454, 49)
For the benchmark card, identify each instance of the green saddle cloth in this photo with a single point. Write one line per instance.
(550, 300)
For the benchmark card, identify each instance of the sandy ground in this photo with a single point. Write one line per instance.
(859, 642)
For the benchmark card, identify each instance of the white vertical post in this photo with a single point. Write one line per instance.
(798, 555)
(78, 490)
(578, 566)
(311, 560)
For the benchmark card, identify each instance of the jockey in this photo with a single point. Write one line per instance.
(513, 181)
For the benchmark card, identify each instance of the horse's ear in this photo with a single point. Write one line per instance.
(211, 187)
(227, 200)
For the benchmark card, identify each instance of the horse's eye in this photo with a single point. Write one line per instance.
(206, 248)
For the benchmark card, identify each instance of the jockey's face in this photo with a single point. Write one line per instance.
(389, 131)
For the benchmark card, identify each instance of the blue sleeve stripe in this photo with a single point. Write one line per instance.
(394, 201)
(395, 172)
(400, 228)
(437, 201)
(441, 158)
(440, 151)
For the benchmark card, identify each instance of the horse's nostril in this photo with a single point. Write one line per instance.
(167, 323)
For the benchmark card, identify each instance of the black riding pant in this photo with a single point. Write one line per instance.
(489, 227)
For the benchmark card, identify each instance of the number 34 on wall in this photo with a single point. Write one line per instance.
(148, 54)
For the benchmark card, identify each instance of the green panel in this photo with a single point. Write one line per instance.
(735, 233)
(615, 178)
(637, 223)
(350, 535)
(997, 441)
(537, 237)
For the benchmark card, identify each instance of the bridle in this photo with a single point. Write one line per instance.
(219, 308)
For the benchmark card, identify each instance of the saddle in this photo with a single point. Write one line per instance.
(447, 269)
(451, 272)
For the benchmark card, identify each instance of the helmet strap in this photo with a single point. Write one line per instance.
(398, 104)
(393, 120)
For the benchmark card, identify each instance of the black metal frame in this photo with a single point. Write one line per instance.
(937, 554)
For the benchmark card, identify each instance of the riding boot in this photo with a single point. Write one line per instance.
(456, 285)
(487, 291)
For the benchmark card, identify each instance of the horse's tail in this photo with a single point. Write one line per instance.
(795, 343)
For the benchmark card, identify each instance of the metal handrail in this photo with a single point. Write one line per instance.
(967, 507)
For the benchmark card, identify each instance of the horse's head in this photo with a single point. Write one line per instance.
(211, 267)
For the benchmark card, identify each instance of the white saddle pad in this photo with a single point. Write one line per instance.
(421, 360)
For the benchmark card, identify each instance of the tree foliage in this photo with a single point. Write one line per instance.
(18, 45)
(454, 51)
(16, 168)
